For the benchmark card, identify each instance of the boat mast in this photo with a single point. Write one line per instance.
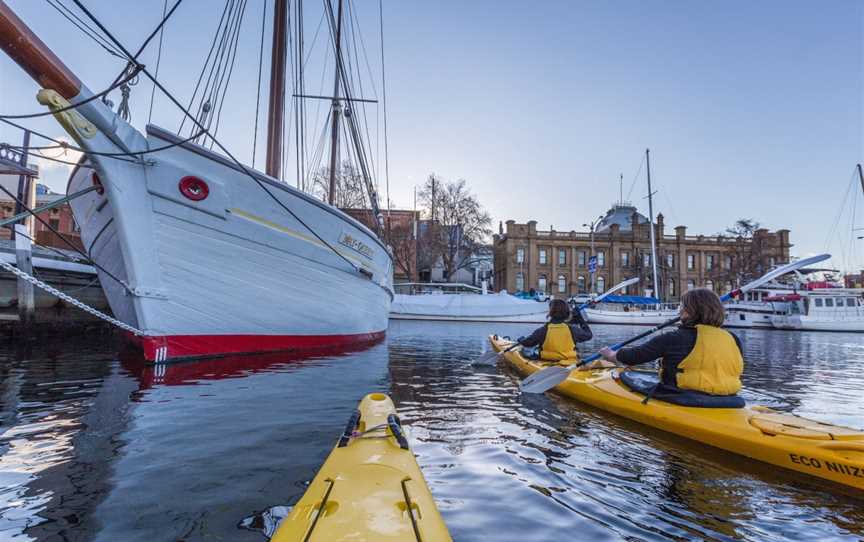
(336, 108)
(861, 176)
(651, 227)
(277, 90)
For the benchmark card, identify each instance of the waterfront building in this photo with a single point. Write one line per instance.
(557, 262)
(60, 218)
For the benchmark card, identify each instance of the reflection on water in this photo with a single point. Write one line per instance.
(106, 448)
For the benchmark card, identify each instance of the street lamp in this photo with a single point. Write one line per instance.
(591, 227)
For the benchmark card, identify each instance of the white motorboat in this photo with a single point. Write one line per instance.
(824, 309)
(462, 303)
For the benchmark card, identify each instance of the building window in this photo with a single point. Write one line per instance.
(542, 256)
(541, 283)
(690, 285)
(601, 259)
(601, 285)
(709, 261)
(646, 260)
(562, 256)
(580, 284)
(625, 259)
(562, 284)
(54, 223)
(580, 258)
(691, 261)
(728, 286)
(771, 261)
(728, 262)
(520, 255)
(709, 284)
(670, 261)
(520, 282)
(671, 291)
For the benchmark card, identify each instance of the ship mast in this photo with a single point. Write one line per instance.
(336, 111)
(277, 91)
(651, 227)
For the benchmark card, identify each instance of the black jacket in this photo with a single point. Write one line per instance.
(672, 347)
(579, 330)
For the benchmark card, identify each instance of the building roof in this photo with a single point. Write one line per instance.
(621, 215)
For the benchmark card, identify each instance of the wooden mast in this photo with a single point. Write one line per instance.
(276, 115)
(336, 108)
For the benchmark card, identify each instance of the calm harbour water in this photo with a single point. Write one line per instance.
(97, 446)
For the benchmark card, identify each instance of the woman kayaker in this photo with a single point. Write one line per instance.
(699, 355)
(558, 337)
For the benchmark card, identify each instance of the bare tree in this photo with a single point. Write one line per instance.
(350, 188)
(458, 224)
(400, 238)
(746, 251)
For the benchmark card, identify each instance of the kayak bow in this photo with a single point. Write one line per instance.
(827, 451)
(370, 488)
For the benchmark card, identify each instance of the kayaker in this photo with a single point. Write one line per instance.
(699, 355)
(558, 337)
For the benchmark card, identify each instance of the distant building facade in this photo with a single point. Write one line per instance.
(60, 218)
(556, 262)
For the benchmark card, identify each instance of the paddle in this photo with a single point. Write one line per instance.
(550, 377)
(491, 357)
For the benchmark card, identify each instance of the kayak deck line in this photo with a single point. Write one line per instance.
(369, 488)
(827, 451)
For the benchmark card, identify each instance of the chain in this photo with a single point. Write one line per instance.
(69, 299)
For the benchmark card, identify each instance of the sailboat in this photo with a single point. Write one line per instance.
(199, 253)
(636, 310)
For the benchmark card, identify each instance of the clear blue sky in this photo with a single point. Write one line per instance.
(751, 109)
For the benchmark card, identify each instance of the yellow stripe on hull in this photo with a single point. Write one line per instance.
(827, 451)
(370, 489)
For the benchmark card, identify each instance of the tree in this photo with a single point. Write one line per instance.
(746, 251)
(350, 187)
(400, 238)
(458, 225)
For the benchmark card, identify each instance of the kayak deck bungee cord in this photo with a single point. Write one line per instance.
(827, 451)
(370, 488)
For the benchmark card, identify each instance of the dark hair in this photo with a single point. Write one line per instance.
(702, 307)
(559, 310)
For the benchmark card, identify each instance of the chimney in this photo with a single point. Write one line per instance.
(680, 232)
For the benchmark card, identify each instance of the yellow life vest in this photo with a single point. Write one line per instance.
(559, 344)
(714, 365)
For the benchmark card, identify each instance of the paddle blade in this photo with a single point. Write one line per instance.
(488, 358)
(544, 380)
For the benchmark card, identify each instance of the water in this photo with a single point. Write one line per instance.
(97, 446)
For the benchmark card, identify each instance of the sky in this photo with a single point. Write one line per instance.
(750, 109)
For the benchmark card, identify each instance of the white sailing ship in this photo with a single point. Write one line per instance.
(212, 256)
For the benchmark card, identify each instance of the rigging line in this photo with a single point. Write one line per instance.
(221, 146)
(353, 33)
(51, 249)
(85, 29)
(230, 70)
(69, 107)
(297, 51)
(108, 154)
(258, 95)
(633, 184)
(158, 61)
(365, 53)
(842, 207)
(61, 236)
(216, 70)
(300, 110)
(384, 104)
(206, 63)
(37, 155)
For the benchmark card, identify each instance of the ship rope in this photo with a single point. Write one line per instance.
(69, 299)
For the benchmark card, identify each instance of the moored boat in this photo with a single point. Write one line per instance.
(463, 303)
(824, 309)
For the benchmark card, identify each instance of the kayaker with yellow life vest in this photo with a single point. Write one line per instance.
(558, 337)
(699, 355)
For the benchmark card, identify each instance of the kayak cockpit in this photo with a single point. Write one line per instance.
(648, 384)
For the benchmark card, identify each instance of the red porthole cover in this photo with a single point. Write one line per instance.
(194, 188)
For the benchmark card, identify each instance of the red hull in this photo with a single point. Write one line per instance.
(173, 347)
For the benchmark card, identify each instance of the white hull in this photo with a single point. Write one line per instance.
(232, 272)
(467, 308)
(807, 323)
(630, 318)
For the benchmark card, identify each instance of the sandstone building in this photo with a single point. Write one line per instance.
(556, 262)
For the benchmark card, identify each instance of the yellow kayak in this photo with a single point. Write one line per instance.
(369, 489)
(828, 451)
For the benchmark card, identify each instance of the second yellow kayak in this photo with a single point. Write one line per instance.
(369, 489)
(827, 451)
